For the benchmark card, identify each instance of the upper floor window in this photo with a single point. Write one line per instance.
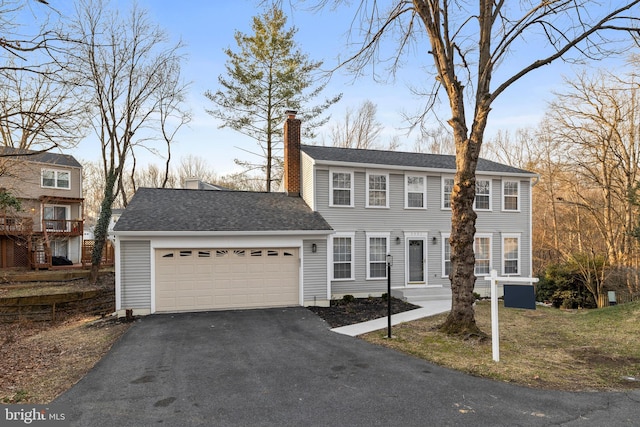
(341, 191)
(56, 179)
(377, 190)
(483, 195)
(510, 254)
(415, 196)
(447, 189)
(510, 195)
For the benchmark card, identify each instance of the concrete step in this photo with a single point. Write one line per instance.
(415, 295)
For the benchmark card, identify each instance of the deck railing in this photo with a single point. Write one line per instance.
(15, 225)
(68, 227)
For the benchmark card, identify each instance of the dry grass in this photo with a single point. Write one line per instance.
(543, 348)
(39, 361)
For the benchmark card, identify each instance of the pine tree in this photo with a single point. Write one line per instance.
(265, 77)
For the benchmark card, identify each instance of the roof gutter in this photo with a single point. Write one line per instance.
(342, 164)
(191, 233)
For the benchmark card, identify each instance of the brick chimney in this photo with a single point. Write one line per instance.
(292, 154)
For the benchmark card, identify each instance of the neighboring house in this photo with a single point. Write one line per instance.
(49, 228)
(328, 235)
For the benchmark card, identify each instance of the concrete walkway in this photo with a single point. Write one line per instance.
(428, 308)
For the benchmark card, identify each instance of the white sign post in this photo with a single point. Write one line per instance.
(495, 334)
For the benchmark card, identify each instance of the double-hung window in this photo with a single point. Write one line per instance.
(511, 196)
(483, 195)
(377, 250)
(341, 191)
(52, 178)
(415, 196)
(446, 255)
(510, 254)
(482, 251)
(377, 190)
(447, 189)
(342, 262)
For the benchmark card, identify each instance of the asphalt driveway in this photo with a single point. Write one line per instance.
(283, 367)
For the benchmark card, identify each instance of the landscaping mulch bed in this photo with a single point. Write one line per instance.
(345, 312)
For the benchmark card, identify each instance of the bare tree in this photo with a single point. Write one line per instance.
(468, 45)
(124, 64)
(38, 112)
(597, 120)
(435, 141)
(359, 129)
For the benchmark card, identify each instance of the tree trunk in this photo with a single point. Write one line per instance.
(102, 227)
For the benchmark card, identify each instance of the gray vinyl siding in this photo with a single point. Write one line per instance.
(315, 271)
(135, 259)
(432, 221)
(307, 180)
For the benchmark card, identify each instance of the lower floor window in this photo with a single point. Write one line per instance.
(377, 257)
(482, 251)
(342, 257)
(511, 254)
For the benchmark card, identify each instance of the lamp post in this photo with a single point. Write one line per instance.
(389, 264)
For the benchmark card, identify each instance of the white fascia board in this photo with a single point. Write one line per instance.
(352, 165)
(220, 233)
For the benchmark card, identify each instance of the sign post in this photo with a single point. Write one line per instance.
(495, 333)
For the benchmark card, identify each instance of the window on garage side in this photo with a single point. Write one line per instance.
(341, 191)
(342, 257)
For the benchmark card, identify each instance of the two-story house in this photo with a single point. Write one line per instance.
(49, 226)
(327, 235)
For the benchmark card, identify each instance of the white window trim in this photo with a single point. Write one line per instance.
(519, 196)
(424, 236)
(67, 216)
(386, 175)
(490, 196)
(443, 238)
(484, 236)
(369, 236)
(331, 262)
(331, 172)
(442, 198)
(406, 191)
(511, 236)
(55, 178)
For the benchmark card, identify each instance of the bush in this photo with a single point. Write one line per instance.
(562, 285)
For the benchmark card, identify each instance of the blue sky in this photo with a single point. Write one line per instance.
(207, 27)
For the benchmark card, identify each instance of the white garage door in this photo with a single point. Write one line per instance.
(206, 279)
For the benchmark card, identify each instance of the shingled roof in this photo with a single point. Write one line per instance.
(443, 162)
(182, 210)
(40, 157)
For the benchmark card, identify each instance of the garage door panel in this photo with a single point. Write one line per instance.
(205, 279)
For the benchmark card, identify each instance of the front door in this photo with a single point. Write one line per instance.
(416, 261)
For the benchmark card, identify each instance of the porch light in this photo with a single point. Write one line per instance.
(314, 248)
(434, 240)
(397, 240)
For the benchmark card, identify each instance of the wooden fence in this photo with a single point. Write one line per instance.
(108, 253)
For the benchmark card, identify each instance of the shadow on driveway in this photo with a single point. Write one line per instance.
(283, 367)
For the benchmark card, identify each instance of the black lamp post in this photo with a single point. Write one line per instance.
(389, 264)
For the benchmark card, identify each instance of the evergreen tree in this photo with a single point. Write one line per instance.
(265, 77)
